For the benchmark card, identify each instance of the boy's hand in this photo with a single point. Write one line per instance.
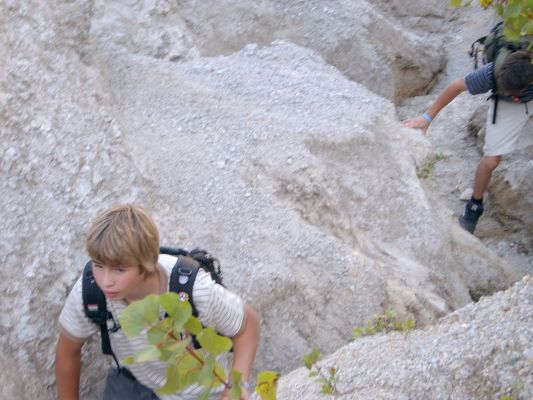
(418, 122)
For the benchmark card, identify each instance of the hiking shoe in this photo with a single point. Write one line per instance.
(472, 213)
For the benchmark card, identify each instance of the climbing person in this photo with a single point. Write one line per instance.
(508, 73)
(127, 265)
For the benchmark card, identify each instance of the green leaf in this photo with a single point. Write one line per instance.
(312, 358)
(512, 10)
(193, 326)
(188, 368)
(179, 310)
(166, 355)
(172, 383)
(455, 3)
(267, 385)
(205, 377)
(327, 388)
(370, 330)
(177, 347)
(213, 342)
(139, 314)
(312, 374)
(235, 392)
(220, 372)
(158, 332)
(527, 29)
(511, 34)
(149, 353)
(409, 325)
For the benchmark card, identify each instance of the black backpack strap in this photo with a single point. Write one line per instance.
(474, 49)
(173, 251)
(182, 279)
(496, 100)
(494, 96)
(95, 307)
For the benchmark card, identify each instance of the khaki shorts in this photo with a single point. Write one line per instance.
(502, 137)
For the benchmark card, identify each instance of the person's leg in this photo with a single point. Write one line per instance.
(500, 138)
(486, 165)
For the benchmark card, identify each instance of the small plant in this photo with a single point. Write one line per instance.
(266, 385)
(327, 379)
(426, 171)
(515, 391)
(386, 322)
(169, 341)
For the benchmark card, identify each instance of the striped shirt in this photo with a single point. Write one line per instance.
(482, 81)
(216, 306)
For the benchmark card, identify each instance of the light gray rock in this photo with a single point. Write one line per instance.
(482, 351)
(61, 161)
(355, 36)
(153, 28)
(430, 16)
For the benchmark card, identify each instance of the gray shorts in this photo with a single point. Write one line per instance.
(124, 386)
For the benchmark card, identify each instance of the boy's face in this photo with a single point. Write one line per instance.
(119, 282)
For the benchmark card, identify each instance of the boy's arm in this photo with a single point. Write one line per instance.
(451, 92)
(245, 345)
(68, 366)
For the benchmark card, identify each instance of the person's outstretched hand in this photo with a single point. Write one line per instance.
(418, 122)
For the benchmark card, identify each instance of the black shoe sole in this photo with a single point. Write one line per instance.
(466, 225)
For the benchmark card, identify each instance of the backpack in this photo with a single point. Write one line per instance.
(495, 48)
(181, 281)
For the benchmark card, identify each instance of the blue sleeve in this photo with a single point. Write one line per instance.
(481, 80)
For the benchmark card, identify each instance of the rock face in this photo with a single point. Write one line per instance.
(482, 351)
(355, 37)
(300, 180)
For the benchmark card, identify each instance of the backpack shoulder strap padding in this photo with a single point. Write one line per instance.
(94, 302)
(95, 307)
(182, 279)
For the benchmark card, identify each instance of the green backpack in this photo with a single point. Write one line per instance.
(495, 48)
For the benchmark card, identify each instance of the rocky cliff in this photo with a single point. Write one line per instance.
(267, 133)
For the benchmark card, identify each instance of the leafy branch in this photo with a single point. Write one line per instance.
(515, 391)
(386, 322)
(426, 171)
(169, 341)
(327, 379)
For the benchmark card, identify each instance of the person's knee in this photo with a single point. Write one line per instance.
(491, 162)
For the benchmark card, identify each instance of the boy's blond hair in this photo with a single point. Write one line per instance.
(124, 235)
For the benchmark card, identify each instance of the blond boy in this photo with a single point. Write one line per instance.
(123, 243)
